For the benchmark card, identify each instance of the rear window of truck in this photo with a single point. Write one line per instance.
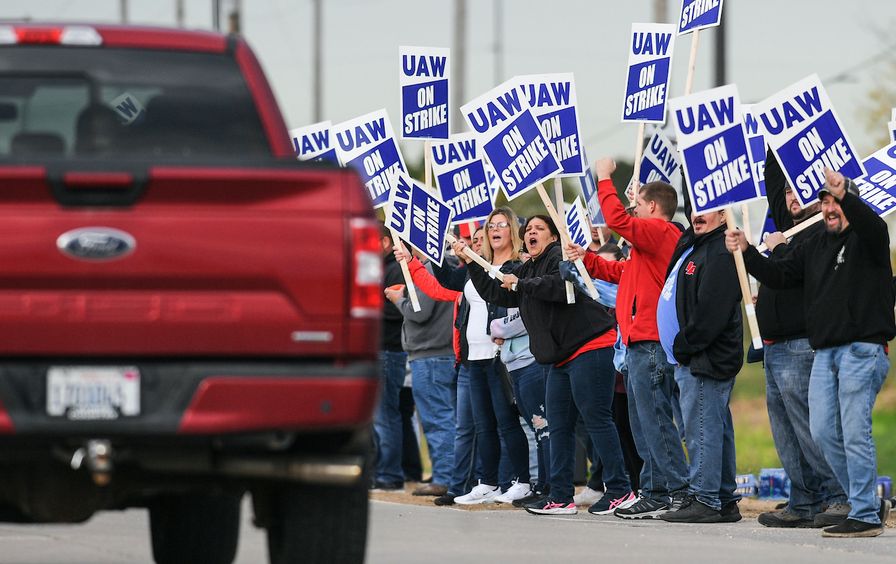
(81, 102)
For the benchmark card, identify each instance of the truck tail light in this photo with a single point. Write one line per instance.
(61, 35)
(366, 296)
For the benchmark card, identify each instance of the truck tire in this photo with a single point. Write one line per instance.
(313, 524)
(195, 528)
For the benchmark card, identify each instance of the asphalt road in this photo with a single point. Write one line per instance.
(418, 534)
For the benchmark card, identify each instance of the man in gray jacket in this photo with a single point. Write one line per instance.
(426, 337)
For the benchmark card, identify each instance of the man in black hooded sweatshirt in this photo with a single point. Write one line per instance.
(699, 322)
(848, 282)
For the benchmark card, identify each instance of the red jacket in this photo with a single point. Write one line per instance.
(640, 278)
(428, 284)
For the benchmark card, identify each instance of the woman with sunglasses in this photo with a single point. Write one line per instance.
(577, 340)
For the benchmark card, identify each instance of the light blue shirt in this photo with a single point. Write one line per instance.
(666, 313)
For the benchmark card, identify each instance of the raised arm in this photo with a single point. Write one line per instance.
(429, 285)
(778, 272)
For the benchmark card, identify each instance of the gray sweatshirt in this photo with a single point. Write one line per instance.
(426, 333)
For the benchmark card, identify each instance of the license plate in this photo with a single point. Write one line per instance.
(89, 392)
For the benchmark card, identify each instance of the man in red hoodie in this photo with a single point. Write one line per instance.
(651, 382)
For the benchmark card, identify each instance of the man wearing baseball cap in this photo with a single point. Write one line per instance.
(846, 274)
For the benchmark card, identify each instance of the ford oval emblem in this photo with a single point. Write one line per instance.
(96, 243)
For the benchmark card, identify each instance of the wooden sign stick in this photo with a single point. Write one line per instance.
(692, 62)
(564, 239)
(561, 209)
(799, 227)
(409, 282)
(745, 292)
(490, 268)
(631, 191)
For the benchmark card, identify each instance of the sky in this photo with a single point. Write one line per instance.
(771, 44)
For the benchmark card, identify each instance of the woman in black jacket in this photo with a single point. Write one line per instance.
(577, 340)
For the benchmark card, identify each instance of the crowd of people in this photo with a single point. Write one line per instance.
(643, 375)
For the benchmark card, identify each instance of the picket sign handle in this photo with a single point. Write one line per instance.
(600, 236)
(692, 62)
(427, 164)
(748, 231)
(745, 292)
(798, 228)
(408, 281)
(561, 209)
(630, 191)
(489, 267)
(564, 238)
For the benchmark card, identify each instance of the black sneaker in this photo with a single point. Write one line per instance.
(535, 497)
(730, 513)
(852, 528)
(679, 500)
(644, 508)
(785, 520)
(834, 514)
(693, 512)
(447, 499)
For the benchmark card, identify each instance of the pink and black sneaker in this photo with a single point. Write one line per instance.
(611, 502)
(551, 507)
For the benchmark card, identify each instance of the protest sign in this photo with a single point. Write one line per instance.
(649, 63)
(768, 227)
(577, 223)
(589, 195)
(461, 177)
(660, 161)
(312, 142)
(417, 216)
(878, 187)
(756, 141)
(891, 127)
(803, 131)
(713, 145)
(552, 98)
(425, 99)
(368, 145)
(699, 14)
(510, 137)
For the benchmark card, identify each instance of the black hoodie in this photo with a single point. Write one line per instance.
(707, 300)
(556, 329)
(846, 277)
(392, 318)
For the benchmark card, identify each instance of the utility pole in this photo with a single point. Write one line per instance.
(460, 60)
(660, 11)
(179, 12)
(123, 10)
(499, 42)
(720, 62)
(317, 58)
(216, 15)
(234, 18)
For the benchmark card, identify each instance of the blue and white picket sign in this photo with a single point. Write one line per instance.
(699, 14)
(660, 161)
(891, 127)
(758, 148)
(552, 98)
(589, 195)
(713, 145)
(577, 223)
(510, 137)
(768, 227)
(803, 131)
(367, 144)
(312, 142)
(878, 187)
(649, 68)
(425, 96)
(418, 216)
(461, 178)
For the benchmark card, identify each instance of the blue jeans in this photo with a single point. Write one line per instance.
(387, 419)
(788, 365)
(650, 385)
(584, 384)
(710, 437)
(842, 390)
(494, 414)
(465, 459)
(529, 386)
(435, 393)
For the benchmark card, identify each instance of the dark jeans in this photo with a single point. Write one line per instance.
(633, 462)
(584, 385)
(529, 386)
(494, 414)
(410, 445)
(387, 418)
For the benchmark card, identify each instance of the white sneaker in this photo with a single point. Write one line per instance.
(587, 497)
(517, 491)
(481, 493)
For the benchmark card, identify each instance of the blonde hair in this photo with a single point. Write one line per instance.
(516, 242)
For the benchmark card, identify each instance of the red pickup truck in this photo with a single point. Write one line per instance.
(187, 313)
